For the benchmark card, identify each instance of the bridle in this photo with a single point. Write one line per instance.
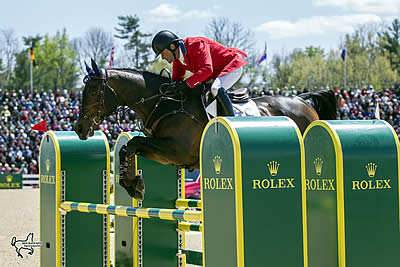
(96, 118)
(165, 93)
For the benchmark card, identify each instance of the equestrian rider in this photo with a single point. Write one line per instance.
(207, 60)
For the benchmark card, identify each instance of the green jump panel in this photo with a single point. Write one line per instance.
(147, 242)
(73, 170)
(253, 193)
(352, 183)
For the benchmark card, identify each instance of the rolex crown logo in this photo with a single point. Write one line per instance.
(9, 178)
(318, 165)
(371, 169)
(217, 164)
(273, 167)
(47, 165)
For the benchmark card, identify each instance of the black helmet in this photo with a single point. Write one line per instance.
(162, 40)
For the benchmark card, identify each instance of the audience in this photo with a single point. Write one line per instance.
(19, 111)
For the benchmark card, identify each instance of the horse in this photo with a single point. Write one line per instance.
(173, 121)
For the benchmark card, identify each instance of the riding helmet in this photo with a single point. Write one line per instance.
(162, 40)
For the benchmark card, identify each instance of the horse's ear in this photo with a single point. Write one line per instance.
(88, 69)
(96, 69)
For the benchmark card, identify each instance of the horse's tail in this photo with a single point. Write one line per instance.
(324, 102)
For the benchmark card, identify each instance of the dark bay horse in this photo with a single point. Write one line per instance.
(174, 121)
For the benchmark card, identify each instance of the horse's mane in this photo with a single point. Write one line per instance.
(153, 81)
(140, 72)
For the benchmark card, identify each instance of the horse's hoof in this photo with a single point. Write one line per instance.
(135, 187)
(139, 188)
(139, 196)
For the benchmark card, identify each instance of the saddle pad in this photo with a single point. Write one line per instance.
(246, 109)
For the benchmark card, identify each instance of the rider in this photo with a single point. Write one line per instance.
(207, 60)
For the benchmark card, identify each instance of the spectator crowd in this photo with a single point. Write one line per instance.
(20, 111)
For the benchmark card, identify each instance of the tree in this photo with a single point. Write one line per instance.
(137, 41)
(389, 44)
(96, 44)
(8, 48)
(21, 74)
(57, 64)
(230, 34)
(311, 51)
(21, 77)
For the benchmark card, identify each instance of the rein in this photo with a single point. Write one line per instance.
(163, 95)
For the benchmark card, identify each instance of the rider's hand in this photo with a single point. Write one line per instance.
(180, 85)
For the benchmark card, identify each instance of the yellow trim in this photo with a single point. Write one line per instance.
(201, 186)
(340, 190)
(183, 235)
(237, 154)
(57, 191)
(303, 190)
(396, 140)
(106, 144)
(238, 186)
(135, 248)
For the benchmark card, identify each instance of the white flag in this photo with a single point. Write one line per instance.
(377, 113)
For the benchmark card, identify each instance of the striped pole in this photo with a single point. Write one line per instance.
(190, 227)
(188, 203)
(163, 214)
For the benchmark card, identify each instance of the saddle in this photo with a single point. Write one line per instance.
(241, 101)
(238, 96)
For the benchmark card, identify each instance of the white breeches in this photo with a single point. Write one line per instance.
(226, 81)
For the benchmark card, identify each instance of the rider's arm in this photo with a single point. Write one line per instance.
(203, 61)
(178, 72)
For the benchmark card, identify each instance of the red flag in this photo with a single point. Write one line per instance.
(112, 57)
(41, 126)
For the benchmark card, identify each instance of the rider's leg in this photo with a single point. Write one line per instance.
(224, 104)
(218, 90)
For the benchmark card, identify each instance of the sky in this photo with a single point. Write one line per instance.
(282, 24)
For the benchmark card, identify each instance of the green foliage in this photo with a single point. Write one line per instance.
(158, 65)
(365, 64)
(56, 62)
(21, 77)
(2, 74)
(137, 41)
(389, 44)
(34, 39)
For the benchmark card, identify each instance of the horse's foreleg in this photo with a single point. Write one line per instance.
(161, 150)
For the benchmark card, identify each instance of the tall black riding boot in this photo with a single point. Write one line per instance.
(224, 107)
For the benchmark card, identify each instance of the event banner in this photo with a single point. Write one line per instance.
(10, 181)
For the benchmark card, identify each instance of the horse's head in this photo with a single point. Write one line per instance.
(98, 101)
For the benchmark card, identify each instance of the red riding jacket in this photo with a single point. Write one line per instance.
(206, 59)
